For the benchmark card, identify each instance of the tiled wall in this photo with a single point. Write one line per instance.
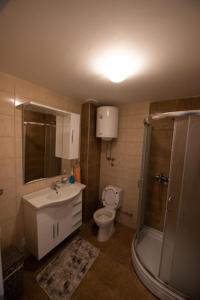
(13, 91)
(127, 151)
(90, 160)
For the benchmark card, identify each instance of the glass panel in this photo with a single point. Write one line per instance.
(52, 165)
(143, 179)
(185, 266)
(39, 146)
(175, 181)
(180, 215)
(34, 152)
(158, 172)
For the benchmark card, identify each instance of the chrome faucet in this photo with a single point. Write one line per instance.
(64, 179)
(55, 186)
(161, 178)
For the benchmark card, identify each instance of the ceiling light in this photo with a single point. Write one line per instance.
(118, 65)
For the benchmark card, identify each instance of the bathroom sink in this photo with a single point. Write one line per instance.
(54, 195)
(49, 197)
(66, 192)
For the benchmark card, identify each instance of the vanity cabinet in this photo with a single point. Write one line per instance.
(48, 226)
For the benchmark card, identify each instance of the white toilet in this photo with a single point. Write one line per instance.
(104, 217)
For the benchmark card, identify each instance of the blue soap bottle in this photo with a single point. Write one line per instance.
(71, 178)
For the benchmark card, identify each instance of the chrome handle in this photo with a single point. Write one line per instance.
(54, 231)
(170, 199)
(170, 203)
(57, 229)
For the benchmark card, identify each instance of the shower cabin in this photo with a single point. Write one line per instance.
(166, 246)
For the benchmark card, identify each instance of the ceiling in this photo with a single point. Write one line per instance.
(57, 44)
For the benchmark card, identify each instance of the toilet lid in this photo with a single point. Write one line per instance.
(110, 197)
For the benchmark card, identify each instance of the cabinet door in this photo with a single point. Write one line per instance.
(74, 136)
(63, 221)
(68, 136)
(46, 230)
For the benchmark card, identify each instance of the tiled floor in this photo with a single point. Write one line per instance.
(111, 277)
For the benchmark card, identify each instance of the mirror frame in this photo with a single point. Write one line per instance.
(37, 107)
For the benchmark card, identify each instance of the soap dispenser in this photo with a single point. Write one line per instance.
(72, 178)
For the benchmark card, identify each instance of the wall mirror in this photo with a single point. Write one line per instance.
(40, 134)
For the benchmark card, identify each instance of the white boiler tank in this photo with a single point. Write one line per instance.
(107, 122)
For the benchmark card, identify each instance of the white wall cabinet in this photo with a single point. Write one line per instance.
(46, 227)
(68, 136)
(71, 142)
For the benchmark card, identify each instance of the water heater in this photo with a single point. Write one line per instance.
(107, 122)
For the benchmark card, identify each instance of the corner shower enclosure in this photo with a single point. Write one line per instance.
(166, 247)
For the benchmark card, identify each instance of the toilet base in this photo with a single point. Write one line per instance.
(104, 233)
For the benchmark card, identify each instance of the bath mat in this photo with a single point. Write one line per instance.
(60, 278)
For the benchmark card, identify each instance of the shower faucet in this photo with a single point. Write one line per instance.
(161, 178)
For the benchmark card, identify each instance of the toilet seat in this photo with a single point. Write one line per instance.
(110, 196)
(104, 215)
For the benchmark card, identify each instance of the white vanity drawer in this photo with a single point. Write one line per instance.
(76, 208)
(77, 199)
(77, 217)
(77, 225)
(77, 205)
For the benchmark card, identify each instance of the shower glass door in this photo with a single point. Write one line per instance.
(143, 178)
(181, 246)
(158, 172)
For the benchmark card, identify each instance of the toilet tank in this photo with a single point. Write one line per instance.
(107, 122)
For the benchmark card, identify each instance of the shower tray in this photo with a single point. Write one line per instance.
(146, 255)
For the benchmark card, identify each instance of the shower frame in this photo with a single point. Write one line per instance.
(186, 124)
